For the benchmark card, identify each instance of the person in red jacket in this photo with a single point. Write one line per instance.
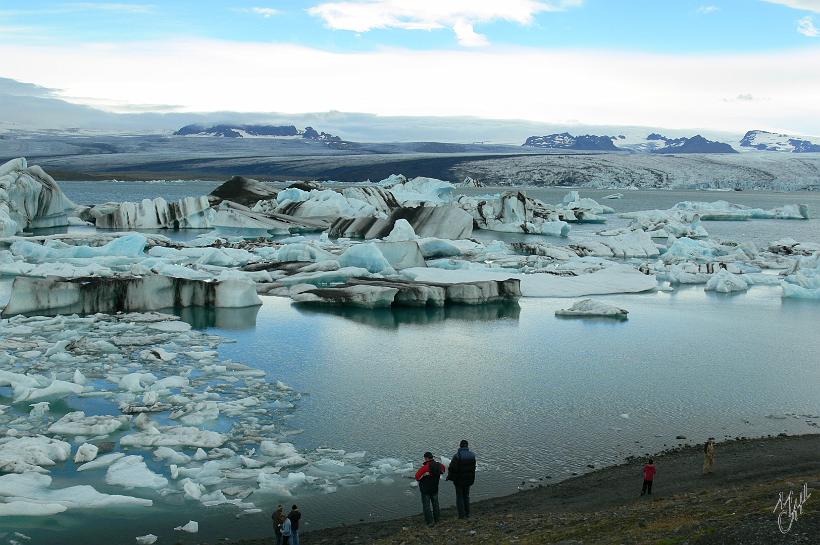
(648, 477)
(428, 477)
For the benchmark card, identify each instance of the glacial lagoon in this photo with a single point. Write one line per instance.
(540, 397)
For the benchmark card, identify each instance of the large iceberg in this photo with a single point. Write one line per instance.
(157, 213)
(427, 221)
(515, 212)
(125, 293)
(723, 210)
(30, 199)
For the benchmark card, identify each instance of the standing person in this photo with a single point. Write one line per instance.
(709, 456)
(287, 531)
(648, 477)
(278, 517)
(294, 517)
(462, 473)
(428, 477)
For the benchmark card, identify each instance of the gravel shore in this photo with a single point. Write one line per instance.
(733, 505)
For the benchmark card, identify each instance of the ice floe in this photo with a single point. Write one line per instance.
(590, 307)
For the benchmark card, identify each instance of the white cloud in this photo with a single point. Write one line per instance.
(467, 36)
(265, 12)
(460, 15)
(707, 10)
(805, 5)
(805, 26)
(595, 87)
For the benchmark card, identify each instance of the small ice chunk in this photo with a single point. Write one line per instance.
(79, 378)
(191, 527)
(171, 326)
(30, 509)
(77, 423)
(148, 539)
(103, 461)
(85, 453)
(171, 456)
(39, 410)
(27, 454)
(589, 307)
(131, 472)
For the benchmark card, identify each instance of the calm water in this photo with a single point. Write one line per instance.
(536, 395)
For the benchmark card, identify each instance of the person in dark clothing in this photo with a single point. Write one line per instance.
(462, 473)
(295, 515)
(648, 477)
(278, 518)
(428, 477)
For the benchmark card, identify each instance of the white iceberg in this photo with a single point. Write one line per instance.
(589, 307)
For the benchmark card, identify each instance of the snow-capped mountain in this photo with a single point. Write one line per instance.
(654, 143)
(564, 140)
(695, 144)
(257, 131)
(770, 141)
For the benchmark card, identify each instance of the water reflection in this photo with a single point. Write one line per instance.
(392, 318)
(223, 318)
(597, 320)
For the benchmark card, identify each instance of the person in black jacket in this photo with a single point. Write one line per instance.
(428, 478)
(462, 473)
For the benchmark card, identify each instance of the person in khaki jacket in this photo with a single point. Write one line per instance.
(708, 456)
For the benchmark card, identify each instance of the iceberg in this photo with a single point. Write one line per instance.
(85, 453)
(241, 190)
(589, 307)
(174, 437)
(366, 256)
(324, 203)
(157, 213)
(35, 488)
(385, 293)
(431, 221)
(130, 245)
(30, 199)
(190, 527)
(125, 293)
(600, 280)
(131, 472)
(573, 201)
(631, 244)
(515, 212)
(803, 282)
(722, 210)
(77, 423)
(31, 454)
(725, 282)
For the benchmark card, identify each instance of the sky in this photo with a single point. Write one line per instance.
(722, 64)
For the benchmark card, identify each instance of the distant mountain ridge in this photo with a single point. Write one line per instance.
(259, 131)
(654, 143)
(695, 144)
(770, 141)
(564, 140)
